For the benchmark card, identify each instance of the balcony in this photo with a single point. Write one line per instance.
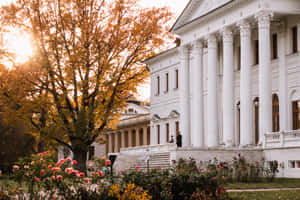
(282, 139)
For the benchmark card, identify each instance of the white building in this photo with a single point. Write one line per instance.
(234, 81)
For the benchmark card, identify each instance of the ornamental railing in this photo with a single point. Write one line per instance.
(282, 139)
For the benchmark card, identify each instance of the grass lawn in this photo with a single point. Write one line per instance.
(266, 195)
(277, 183)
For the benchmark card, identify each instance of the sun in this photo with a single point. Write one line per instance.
(16, 42)
(19, 44)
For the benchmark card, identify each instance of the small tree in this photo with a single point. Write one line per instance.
(87, 62)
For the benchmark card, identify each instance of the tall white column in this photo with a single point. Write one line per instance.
(116, 141)
(110, 143)
(130, 138)
(246, 106)
(212, 108)
(184, 96)
(122, 138)
(163, 133)
(144, 135)
(153, 136)
(197, 95)
(283, 87)
(137, 136)
(265, 75)
(228, 89)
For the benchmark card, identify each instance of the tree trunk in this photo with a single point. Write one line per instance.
(81, 157)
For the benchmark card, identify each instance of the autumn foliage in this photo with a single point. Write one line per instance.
(87, 63)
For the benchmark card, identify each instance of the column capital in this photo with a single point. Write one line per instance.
(198, 44)
(184, 51)
(211, 41)
(245, 28)
(227, 34)
(264, 18)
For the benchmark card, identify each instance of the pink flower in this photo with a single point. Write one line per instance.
(59, 177)
(42, 172)
(122, 171)
(74, 162)
(93, 173)
(234, 158)
(44, 165)
(68, 159)
(81, 174)
(108, 162)
(159, 167)
(53, 177)
(50, 166)
(137, 167)
(75, 171)
(40, 154)
(200, 169)
(53, 197)
(16, 167)
(26, 167)
(69, 170)
(56, 169)
(213, 177)
(36, 179)
(45, 152)
(0, 172)
(87, 180)
(100, 173)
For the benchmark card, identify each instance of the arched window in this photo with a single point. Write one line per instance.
(256, 119)
(238, 107)
(275, 111)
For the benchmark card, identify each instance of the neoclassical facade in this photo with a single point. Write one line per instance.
(234, 81)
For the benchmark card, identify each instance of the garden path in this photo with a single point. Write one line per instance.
(260, 190)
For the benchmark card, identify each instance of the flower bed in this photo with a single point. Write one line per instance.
(41, 178)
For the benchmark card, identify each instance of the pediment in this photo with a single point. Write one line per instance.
(196, 9)
(155, 118)
(174, 114)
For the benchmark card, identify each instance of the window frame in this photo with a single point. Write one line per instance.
(294, 31)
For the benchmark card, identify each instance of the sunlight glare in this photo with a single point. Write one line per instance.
(19, 44)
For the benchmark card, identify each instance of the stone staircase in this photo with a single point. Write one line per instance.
(156, 160)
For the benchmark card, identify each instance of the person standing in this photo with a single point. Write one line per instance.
(179, 140)
(172, 139)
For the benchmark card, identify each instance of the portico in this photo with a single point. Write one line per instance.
(233, 73)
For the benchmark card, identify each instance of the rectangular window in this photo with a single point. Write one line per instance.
(177, 79)
(295, 39)
(256, 49)
(177, 128)
(296, 115)
(158, 134)
(275, 46)
(158, 85)
(168, 131)
(167, 82)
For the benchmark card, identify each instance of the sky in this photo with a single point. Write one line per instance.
(176, 6)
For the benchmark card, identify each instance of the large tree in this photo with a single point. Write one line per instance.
(87, 62)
